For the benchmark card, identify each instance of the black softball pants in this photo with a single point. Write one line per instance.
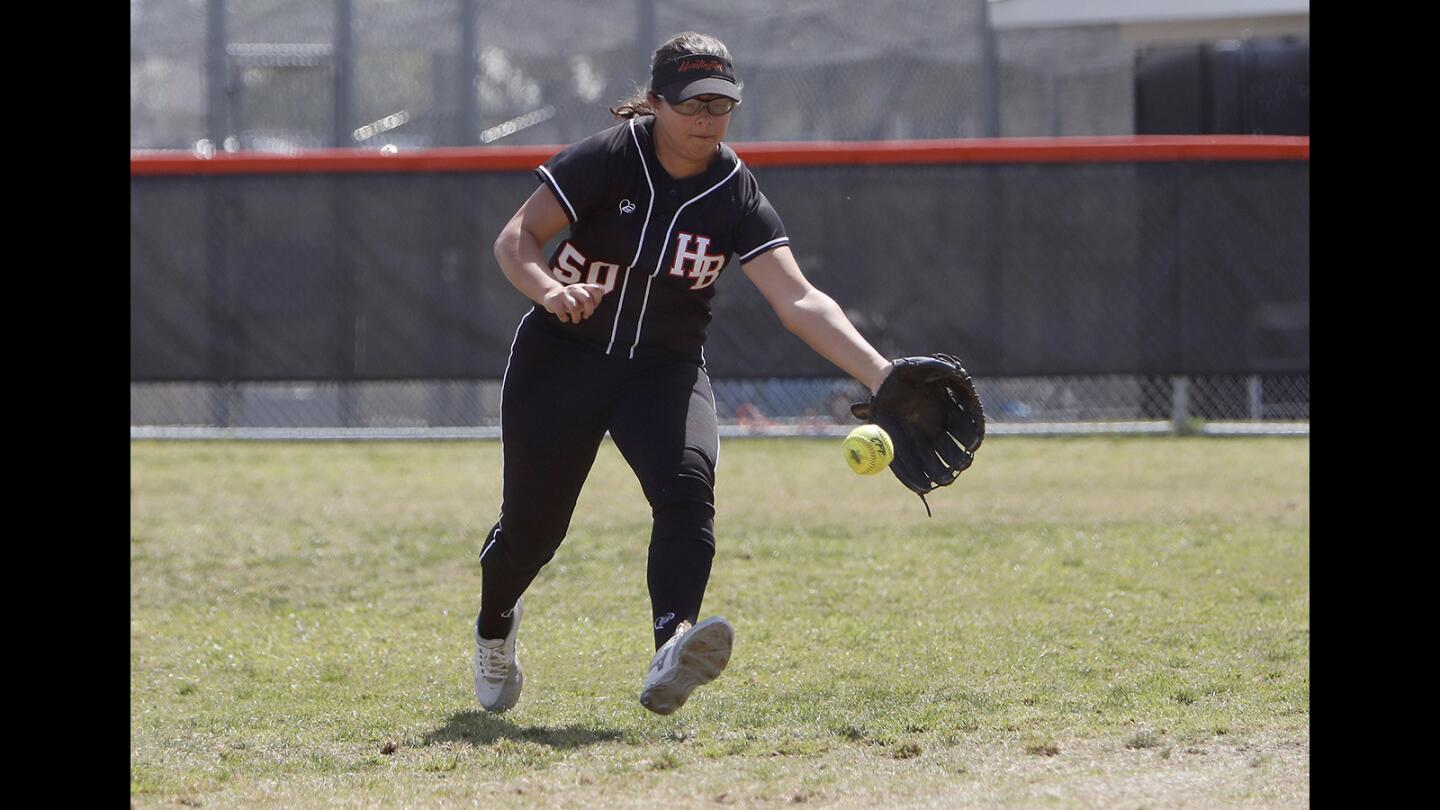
(559, 398)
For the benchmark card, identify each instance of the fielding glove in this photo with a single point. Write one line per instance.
(932, 412)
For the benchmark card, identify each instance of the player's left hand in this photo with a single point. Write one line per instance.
(931, 410)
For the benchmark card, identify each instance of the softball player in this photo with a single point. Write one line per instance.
(656, 206)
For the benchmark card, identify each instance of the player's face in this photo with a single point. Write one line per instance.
(693, 136)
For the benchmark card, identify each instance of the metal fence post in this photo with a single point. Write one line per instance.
(468, 128)
(989, 76)
(1257, 401)
(343, 65)
(216, 215)
(218, 302)
(1180, 405)
(645, 30)
(216, 79)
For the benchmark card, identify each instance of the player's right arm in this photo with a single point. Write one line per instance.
(518, 250)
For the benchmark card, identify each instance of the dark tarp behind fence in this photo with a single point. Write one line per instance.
(1020, 269)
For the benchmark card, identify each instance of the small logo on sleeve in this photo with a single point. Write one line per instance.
(627, 207)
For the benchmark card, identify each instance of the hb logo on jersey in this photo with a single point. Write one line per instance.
(704, 267)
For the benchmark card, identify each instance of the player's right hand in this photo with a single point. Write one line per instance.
(574, 303)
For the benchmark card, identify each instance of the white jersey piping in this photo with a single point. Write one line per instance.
(772, 243)
(649, 208)
(664, 245)
(555, 184)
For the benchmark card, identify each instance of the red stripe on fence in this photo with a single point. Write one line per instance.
(1116, 149)
(1107, 149)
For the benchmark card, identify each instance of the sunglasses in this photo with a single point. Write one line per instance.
(692, 106)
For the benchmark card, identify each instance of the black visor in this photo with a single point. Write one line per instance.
(692, 75)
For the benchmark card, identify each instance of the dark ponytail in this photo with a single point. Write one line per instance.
(641, 101)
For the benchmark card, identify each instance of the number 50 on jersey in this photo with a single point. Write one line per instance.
(701, 267)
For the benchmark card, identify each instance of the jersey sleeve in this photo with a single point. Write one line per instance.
(581, 175)
(760, 231)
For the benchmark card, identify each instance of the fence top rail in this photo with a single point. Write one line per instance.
(1097, 149)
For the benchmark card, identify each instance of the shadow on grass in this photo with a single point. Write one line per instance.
(480, 728)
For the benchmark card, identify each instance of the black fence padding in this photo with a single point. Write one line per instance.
(1035, 269)
(1257, 86)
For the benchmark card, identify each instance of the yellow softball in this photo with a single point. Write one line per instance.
(868, 449)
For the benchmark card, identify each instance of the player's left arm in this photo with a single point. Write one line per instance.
(814, 317)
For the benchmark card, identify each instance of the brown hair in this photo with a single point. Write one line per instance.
(682, 44)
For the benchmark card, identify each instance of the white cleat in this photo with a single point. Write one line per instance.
(497, 667)
(695, 655)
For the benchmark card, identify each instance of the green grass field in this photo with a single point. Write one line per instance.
(1084, 622)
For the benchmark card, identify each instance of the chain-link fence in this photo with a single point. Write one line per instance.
(283, 75)
(1218, 404)
(276, 75)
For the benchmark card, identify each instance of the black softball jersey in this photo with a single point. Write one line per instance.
(657, 244)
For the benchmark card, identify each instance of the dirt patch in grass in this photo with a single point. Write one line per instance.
(1255, 772)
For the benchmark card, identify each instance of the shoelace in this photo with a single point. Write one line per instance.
(665, 652)
(494, 663)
